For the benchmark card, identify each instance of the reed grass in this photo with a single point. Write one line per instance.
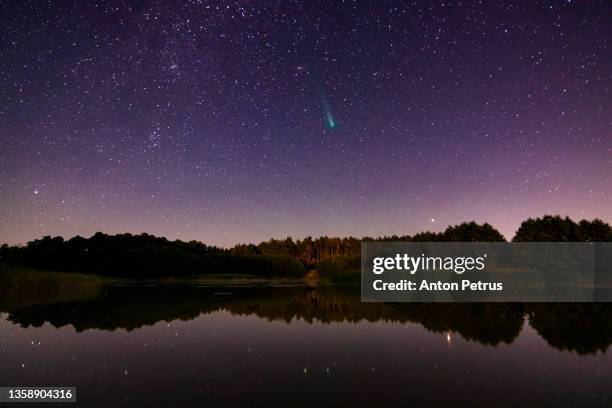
(22, 287)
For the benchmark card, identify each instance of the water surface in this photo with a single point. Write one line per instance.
(160, 345)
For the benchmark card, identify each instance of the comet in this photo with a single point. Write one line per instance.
(329, 117)
(330, 121)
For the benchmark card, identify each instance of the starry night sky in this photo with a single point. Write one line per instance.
(239, 121)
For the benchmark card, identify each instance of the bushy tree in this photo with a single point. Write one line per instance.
(427, 236)
(556, 229)
(595, 231)
(472, 232)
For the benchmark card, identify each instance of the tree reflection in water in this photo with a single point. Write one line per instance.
(581, 328)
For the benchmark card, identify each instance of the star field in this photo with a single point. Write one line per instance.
(239, 121)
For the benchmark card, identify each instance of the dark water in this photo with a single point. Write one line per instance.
(298, 346)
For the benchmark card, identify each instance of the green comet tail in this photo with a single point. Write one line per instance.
(329, 118)
(330, 122)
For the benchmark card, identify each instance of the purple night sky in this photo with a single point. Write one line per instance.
(239, 121)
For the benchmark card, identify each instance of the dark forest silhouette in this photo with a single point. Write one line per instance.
(147, 255)
(582, 328)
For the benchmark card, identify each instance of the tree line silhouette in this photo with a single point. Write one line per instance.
(147, 255)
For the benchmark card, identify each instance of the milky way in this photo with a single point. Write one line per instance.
(200, 120)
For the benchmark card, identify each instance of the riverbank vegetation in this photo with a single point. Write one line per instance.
(21, 287)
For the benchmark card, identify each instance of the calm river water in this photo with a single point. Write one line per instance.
(191, 345)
